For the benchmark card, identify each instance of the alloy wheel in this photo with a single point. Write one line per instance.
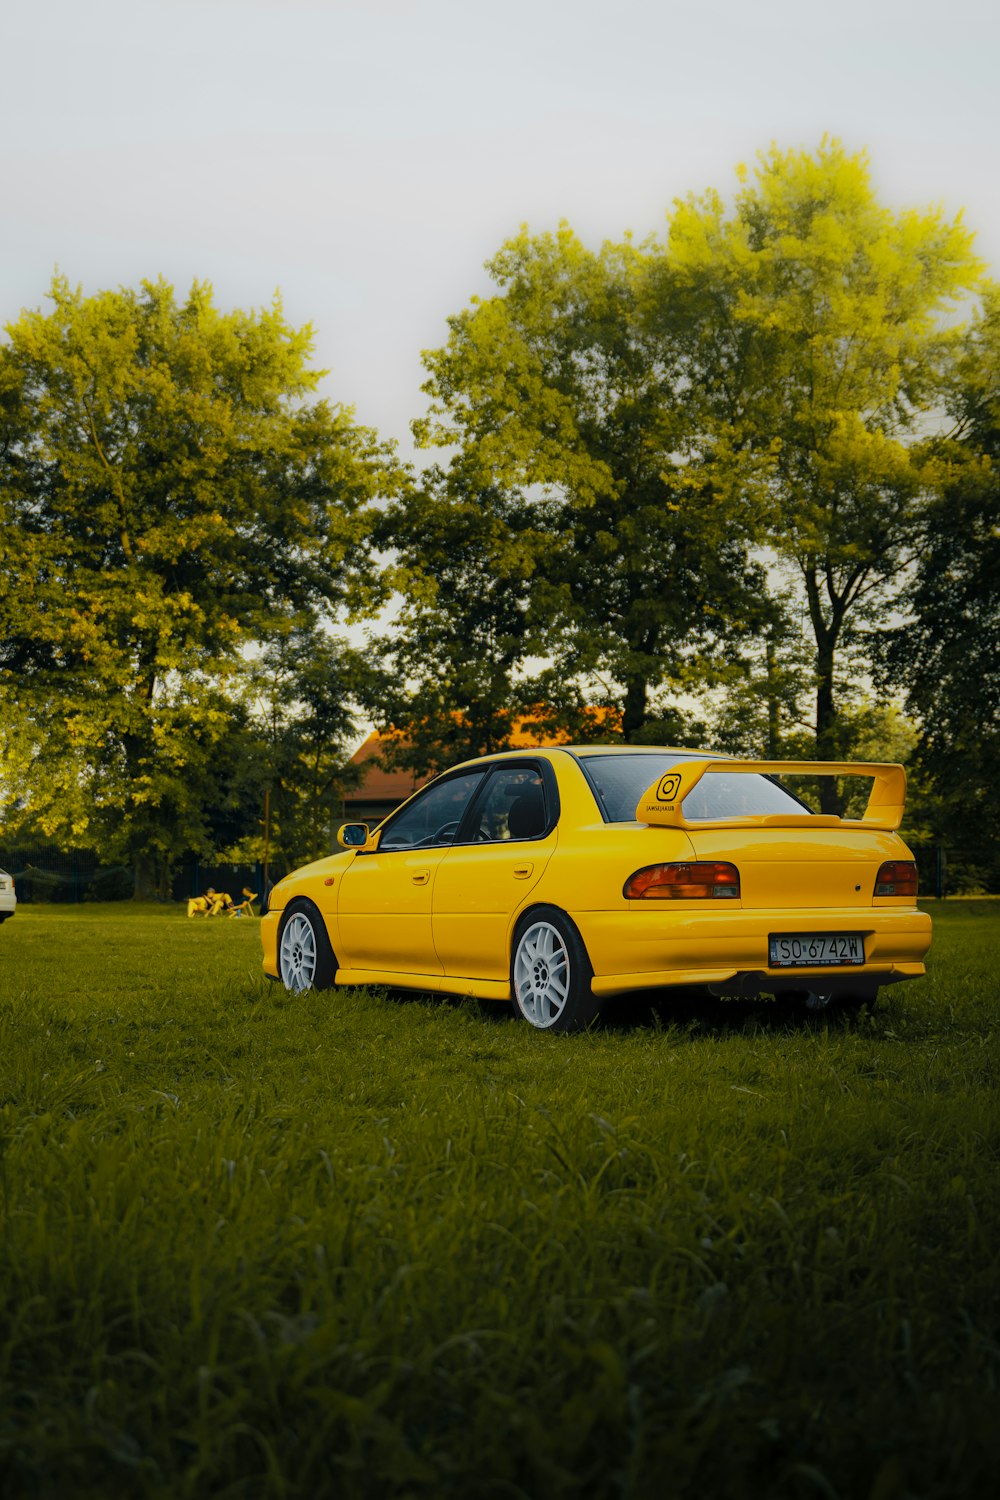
(542, 974)
(297, 959)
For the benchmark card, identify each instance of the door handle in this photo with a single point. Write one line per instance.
(420, 877)
(521, 872)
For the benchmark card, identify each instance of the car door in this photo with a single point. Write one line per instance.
(507, 840)
(384, 900)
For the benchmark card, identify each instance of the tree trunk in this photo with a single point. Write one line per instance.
(152, 875)
(773, 705)
(826, 725)
(827, 634)
(144, 873)
(634, 713)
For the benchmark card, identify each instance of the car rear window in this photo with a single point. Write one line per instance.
(620, 780)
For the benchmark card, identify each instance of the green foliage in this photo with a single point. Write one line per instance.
(172, 492)
(760, 706)
(947, 654)
(300, 694)
(825, 327)
(665, 458)
(563, 389)
(348, 1245)
(758, 381)
(451, 683)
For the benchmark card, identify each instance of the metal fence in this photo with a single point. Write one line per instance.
(71, 876)
(47, 874)
(957, 870)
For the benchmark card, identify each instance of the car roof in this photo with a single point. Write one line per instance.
(584, 750)
(581, 752)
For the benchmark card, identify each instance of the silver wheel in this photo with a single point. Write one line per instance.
(542, 974)
(297, 954)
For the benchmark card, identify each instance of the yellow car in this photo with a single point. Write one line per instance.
(556, 879)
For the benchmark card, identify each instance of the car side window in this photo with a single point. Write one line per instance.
(432, 818)
(513, 807)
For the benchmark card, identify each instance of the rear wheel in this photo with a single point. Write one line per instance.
(550, 973)
(305, 958)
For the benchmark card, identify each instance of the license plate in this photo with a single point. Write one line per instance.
(814, 950)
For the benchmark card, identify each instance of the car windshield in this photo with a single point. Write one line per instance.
(620, 780)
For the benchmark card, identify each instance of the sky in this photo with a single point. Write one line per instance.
(366, 157)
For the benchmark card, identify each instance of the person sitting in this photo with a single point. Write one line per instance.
(245, 907)
(219, 901)
(197, 906)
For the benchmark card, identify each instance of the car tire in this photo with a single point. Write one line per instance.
(305, 957)
(550, 973)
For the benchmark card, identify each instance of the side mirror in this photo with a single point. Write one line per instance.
(352, 835)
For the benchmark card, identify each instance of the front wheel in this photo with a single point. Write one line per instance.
(305, 958)
(550, 973)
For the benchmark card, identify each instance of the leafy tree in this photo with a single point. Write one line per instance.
(452, 683)
(171, 491)
(563, 394)
(947, 654)
(819, 338)
(301, 693)
(760, 708)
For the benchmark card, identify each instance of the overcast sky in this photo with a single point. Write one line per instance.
(366, 156)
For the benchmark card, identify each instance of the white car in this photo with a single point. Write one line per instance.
(8, 897)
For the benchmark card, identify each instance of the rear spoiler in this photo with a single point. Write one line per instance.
(661, 804)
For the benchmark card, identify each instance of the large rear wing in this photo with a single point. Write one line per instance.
(661, 804)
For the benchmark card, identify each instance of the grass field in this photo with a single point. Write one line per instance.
(361, 1245)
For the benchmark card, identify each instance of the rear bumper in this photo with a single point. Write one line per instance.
(636, 950)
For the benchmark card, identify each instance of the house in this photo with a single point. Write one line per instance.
(380, 791)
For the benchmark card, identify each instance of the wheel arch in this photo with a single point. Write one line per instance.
(297, 903)
(525, 914)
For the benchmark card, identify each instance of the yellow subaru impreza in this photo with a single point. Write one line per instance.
(557, 878)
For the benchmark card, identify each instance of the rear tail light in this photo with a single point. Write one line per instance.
(897, 877)
(699, 881)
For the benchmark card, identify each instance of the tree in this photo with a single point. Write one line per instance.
(171, 491)
(452, 683)
(301, 694)
(563, 395)
(947, 653)
(820, 336)
(760, 707)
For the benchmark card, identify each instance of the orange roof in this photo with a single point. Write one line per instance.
(378, 785)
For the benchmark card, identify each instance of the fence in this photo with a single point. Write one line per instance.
(957, 870)
(45, 874)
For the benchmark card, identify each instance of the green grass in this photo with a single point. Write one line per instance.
(365, 1245)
